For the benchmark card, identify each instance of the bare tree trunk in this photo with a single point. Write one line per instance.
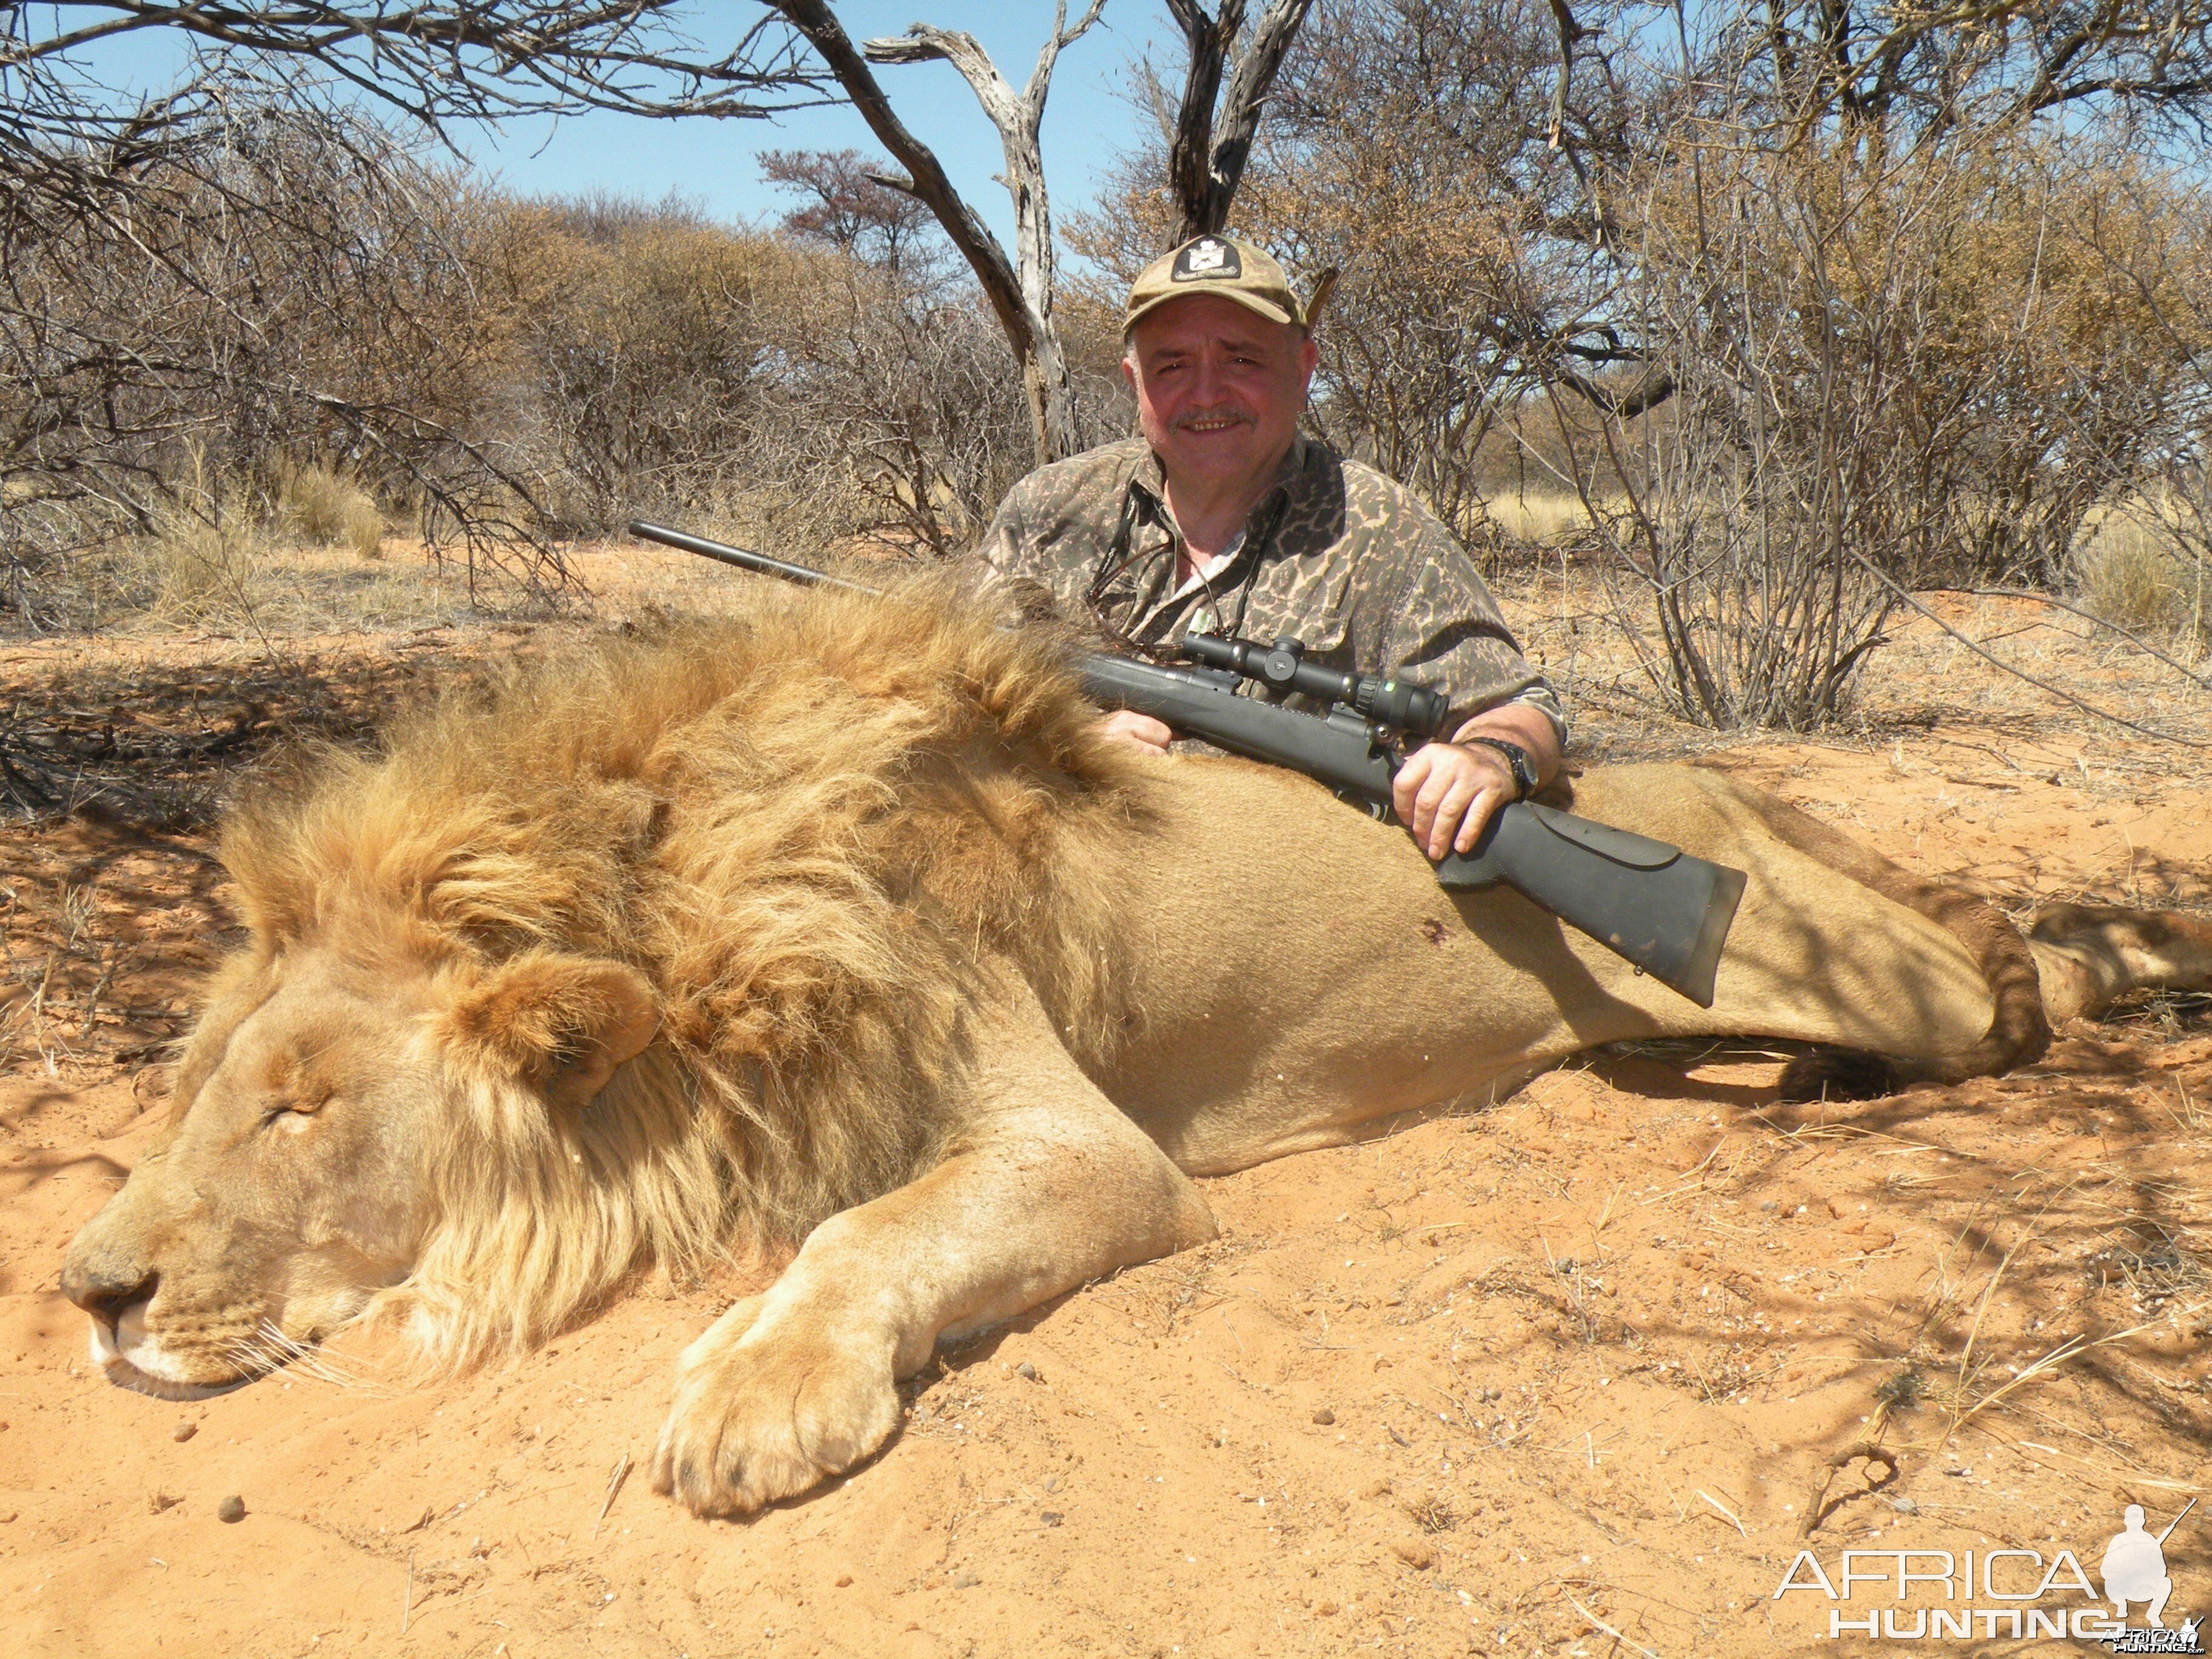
(1020, 290)
(1206, 162)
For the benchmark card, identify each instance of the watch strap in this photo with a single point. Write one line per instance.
(1517, 762)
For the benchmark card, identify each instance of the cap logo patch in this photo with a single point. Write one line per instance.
(1206, 259)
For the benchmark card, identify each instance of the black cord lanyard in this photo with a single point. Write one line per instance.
(1119, 557)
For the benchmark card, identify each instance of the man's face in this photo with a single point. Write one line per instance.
(1220, 388)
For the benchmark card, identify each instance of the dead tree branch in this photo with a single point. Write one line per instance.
(1018, 118)
(1020, 296)
(1211, 146)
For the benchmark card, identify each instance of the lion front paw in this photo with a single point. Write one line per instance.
(769, 1415)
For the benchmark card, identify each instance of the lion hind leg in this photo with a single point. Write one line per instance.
(2089, 955)
(1046, 1187)
(2019, 1030)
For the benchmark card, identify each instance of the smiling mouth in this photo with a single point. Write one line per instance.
(1211, 424)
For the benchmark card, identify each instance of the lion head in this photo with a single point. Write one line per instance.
(652, 949)
(299, 1175)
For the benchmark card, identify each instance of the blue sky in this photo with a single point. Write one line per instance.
(713, 163)
(1085, 122)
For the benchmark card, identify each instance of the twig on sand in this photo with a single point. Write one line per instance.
(1723, 1509)
(1627, 1641)
(2017, 673)
(1818, 1509)
(614, 1488)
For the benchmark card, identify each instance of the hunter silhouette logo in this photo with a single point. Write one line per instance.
(1208, 259)
(2021, 1594)
(2133, 1569)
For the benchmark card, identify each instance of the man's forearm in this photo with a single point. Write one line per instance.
(1520, 723)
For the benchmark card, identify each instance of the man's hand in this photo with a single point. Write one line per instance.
(1141, 731)
(1445, 793)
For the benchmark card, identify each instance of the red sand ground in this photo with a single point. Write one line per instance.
(1564, 1378)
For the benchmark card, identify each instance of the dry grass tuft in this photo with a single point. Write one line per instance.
(319, 506)
(1433, 1513)
(201, 572)
(2138, 572)
(1537, 519)
(299, 556)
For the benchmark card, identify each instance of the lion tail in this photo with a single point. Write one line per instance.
(2019, 1029)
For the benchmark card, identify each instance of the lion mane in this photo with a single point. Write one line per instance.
(797, 833)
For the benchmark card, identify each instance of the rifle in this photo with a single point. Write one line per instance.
(1652, 904)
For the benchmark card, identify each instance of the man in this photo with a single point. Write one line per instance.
(2133, 1569)
(1221, 518)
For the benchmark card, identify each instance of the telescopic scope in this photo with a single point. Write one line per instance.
(1411, 709)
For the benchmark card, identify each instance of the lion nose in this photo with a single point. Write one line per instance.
(105, 1292)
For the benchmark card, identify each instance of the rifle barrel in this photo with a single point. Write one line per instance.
(759, 564)
(2177, 1520)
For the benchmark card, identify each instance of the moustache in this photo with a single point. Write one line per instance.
(1197, 416)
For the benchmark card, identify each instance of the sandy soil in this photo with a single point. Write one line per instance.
(1567, 1377)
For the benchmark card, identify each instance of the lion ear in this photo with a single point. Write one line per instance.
(561, 1023)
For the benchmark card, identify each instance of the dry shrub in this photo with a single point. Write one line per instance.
(799, 391)
(901, 399)
(201, 572)
(1892, 369)
(2138, 570)
(635, 349)
(320, 507)
(1534, 519)
(290, 280)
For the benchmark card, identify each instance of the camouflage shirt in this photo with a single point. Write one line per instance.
(1336, 555)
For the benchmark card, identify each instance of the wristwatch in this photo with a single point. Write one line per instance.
(1517, 760)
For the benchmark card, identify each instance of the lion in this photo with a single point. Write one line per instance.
(835, 926)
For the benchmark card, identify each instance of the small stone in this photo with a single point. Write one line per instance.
(1415, 1553)
(184, 1431)
(964, 1580)
(1026, 1371)
(844, 1581)
(5, 1519)
(232, 1510)
(1052, 1484)
(1377, 1487)
(1904, 1505)
(1326, 1610)
(1324, 1415)
(1051, 1518)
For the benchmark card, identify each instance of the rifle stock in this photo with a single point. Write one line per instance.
(1652, 904)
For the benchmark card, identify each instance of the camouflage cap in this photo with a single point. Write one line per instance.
(1234, 269)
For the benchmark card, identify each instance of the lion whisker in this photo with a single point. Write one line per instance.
(279, 1350)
